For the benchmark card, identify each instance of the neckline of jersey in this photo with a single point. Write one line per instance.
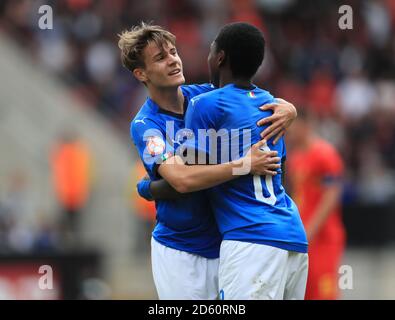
(252, 87)
(153, 104)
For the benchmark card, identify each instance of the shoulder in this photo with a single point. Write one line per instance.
(205, 106)
(208, 99)
(266, 95)
(203, 110)
(264, 91)
(192, 90)
(144, 120)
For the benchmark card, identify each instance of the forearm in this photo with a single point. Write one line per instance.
(185, 178)
(328, 203)
(162, 190)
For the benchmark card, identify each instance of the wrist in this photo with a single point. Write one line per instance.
(241, 166)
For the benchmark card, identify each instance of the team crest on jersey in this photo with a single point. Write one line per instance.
(155, 145)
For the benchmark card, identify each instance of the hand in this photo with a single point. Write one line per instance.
(281, 119)
(262, 162)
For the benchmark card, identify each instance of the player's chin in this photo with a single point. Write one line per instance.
(176, 80)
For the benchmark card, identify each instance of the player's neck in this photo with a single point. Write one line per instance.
(226, 78)
(170, 99)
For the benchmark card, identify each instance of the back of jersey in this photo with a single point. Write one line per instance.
(249, 208)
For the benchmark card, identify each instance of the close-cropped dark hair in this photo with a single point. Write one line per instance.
(244, 47)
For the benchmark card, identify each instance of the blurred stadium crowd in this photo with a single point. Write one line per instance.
(345, 77)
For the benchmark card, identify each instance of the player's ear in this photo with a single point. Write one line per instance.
(221, 57)
(140, 74)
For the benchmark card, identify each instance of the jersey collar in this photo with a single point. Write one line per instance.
(158, 109)
(249, 88)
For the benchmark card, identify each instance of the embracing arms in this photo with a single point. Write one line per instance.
(191, 178)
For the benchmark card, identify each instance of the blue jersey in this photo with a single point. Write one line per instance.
(249, 208)
(188, 223)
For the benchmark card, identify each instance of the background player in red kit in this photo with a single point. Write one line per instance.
(314, 170)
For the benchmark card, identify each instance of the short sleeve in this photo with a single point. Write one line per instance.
(151, 144)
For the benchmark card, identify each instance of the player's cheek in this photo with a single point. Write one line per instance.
(180, 62)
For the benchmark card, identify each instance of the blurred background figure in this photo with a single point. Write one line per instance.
(16, 215)
(71, 164)
(315, 170)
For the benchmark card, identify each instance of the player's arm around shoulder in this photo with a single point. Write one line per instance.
(284, 113)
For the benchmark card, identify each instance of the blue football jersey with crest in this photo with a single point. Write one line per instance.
(249, 208)
(188, 223)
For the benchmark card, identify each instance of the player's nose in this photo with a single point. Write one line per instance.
(172, 59)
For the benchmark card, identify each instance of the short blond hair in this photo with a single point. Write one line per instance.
(132, 43)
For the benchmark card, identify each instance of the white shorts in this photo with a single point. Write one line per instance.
(249, 271)
(179, 275)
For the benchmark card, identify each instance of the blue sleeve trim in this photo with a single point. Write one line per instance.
(143, 188)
